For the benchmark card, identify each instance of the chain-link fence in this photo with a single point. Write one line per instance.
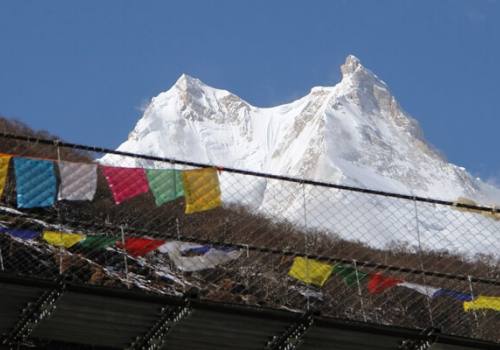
(117, 220)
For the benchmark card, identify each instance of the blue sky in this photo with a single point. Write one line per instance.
(83, 70)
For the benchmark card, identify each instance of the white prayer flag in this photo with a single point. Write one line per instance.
(422, 289)
(78, 181)
(194, 257)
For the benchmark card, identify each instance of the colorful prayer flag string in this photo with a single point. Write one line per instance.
(125, 183)
(4, 170)
(35, 182)
(78, 181)
(62, 239)
(202, 189)
(310, 271)
(165, 184)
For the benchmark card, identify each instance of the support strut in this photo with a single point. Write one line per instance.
(429, 337)
(157, 335)
(293, 337)
(33, 313)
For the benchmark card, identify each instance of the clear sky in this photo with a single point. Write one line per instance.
(84, 69)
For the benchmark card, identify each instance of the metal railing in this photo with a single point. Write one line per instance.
(379, 257)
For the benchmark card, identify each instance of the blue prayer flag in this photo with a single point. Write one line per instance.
(19, 233)
(35, 182)
(201, 250)
(452, 294)
(204, 249)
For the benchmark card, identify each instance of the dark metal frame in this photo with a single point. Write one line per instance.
(32, 314)
(429, 337)
(293, 337)
(156, 336)
(178, 303)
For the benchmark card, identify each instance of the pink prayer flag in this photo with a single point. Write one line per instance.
(125, 183)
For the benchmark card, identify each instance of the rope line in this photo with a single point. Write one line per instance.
(275, 251)
(248, 172)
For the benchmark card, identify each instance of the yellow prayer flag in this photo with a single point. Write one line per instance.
(4, 170)
(62, 239)
(201, 189)
(483, 302)
(310, 271)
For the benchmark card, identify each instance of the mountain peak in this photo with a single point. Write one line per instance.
(353, 71)
(354, 133)
(352, 63)
(186, 82)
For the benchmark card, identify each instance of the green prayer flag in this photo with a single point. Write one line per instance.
(166, 184)
(349, 274)
(97, 242)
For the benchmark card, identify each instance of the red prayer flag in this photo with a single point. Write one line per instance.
(125, 183)
(379, 283)
(139, 246)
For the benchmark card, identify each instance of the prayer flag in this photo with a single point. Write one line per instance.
(483, 302)
(20, 233)
(453, 294)
(379, 283)
(62, 239)
(139, 246)
(78, 181)
(420, 288)
(35, 183)
(195, 257)
(202, 190)
(98, 242)
(125, 183)
(196, 250)
(166, 184)
(349, 274)
(4, 170)
(310, 271)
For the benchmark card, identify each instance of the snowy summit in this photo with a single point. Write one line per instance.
(353, 133)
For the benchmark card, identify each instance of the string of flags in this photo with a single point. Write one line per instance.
(314, 272)
(188, 257)
(37, 183)
(185, 256)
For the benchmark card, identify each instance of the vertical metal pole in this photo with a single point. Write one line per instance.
(177, 225)
(1, 260)
(60, 260)
(469, 278)
(56, 142)
(359, 290)
(306, 248)
(125, 256)
(174, 174)
(417, 227)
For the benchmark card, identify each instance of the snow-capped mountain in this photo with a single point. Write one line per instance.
(354, 133)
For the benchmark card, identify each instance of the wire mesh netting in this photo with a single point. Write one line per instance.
(161, 226)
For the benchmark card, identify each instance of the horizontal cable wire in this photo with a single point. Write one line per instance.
(244, 172)
(261, 249)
